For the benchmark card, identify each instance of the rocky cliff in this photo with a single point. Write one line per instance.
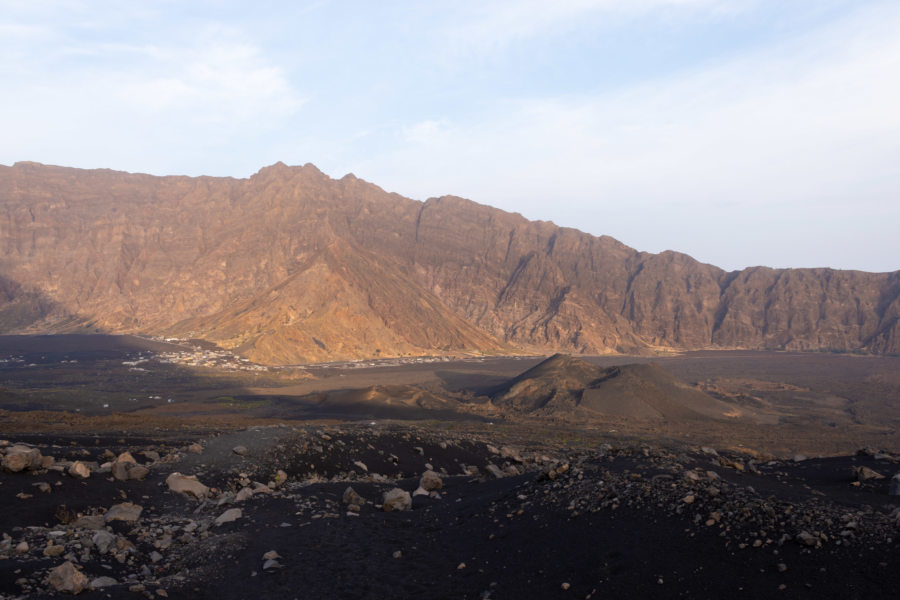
(293, 266)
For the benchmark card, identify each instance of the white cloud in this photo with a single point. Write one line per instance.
(798, 134)
(141, 106)
(491, 26)
(217, 79)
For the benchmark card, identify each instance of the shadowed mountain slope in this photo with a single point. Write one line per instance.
(292, 266)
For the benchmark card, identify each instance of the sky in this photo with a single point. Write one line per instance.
(741, 132)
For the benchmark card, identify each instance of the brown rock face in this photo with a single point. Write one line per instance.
(292, 266)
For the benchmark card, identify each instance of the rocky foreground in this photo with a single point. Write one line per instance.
(372, 511)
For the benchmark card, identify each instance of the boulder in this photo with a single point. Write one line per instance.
(20, 458)
(126, 457)
(232, 514)
(122, 465)
(243, 495)
(92, 522)
(495, 471)
(187, 484)
(866, 474)
(397, 499)
(102, 540)
(138, 472)
(66, 578)
(431, 481)
(79, 470)
(351, 496)
(126, 511)
(102, 582)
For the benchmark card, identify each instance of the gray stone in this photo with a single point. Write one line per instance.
(66, 578)
(230, 515)
(243, 495)
(122, 466)
(397, 499)
(431, 481)
(92, 522)
(138, 472)
(102, 541)
(20, 458)
(352, 497)
(239, 450)
(866, 474)
(126, 511)
(102, 582)
(119, 470)
(126, 457)
(187, 484)
(495, 471)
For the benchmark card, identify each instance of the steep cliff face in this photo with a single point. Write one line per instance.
(292, 266)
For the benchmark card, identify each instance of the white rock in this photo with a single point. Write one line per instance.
(102, 540)
(397, 499)
(187, 484)
(232, 514)
(243, 495)
(126, 511)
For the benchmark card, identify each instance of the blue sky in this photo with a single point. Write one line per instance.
(742, 132)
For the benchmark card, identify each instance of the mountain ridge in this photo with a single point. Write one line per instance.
(290, 265)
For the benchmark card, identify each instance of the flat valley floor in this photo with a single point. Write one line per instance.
(299, 465)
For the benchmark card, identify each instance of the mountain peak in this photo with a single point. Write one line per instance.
(246, 266)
